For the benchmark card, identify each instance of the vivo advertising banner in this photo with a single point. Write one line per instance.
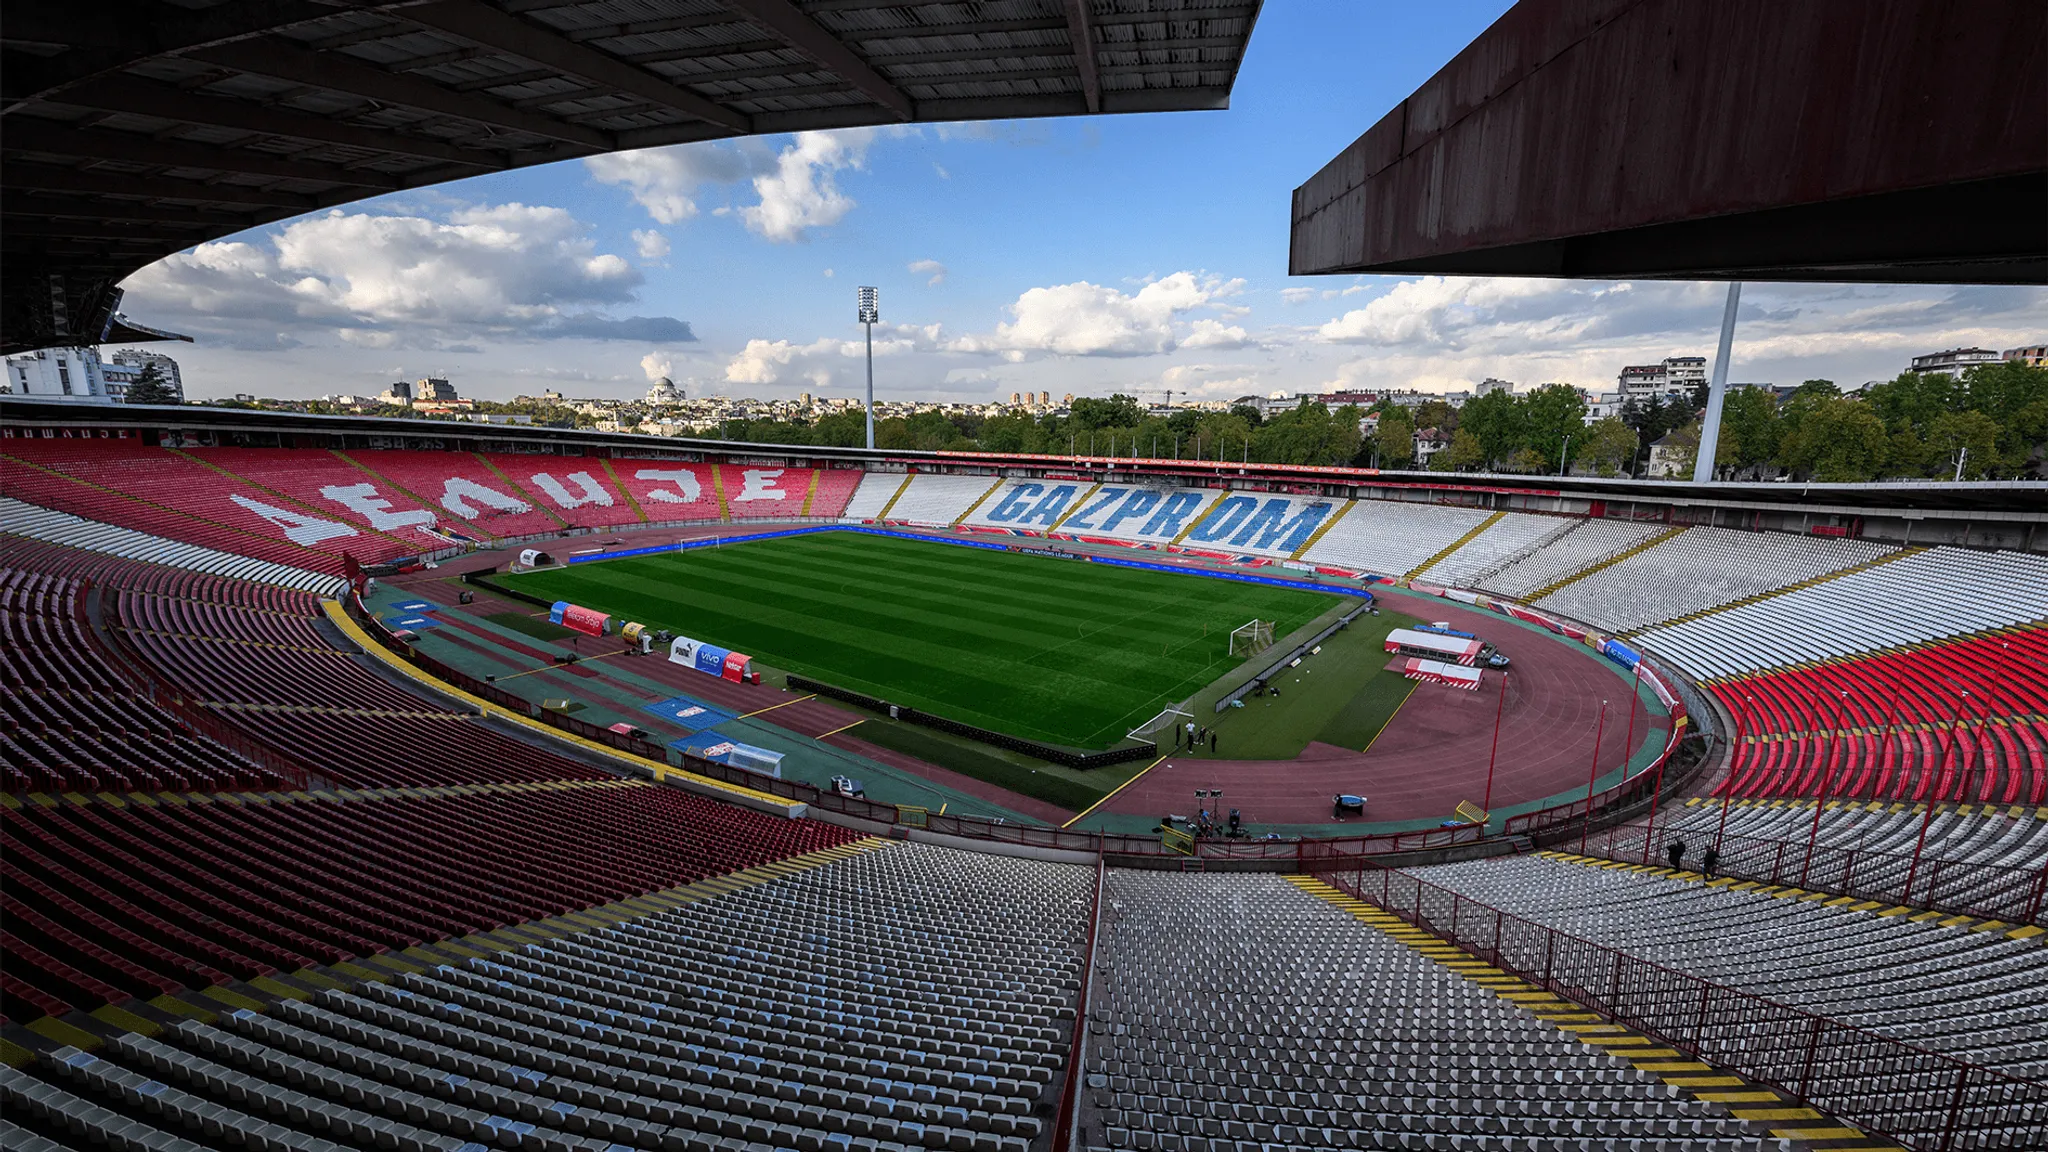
(709, 659)
(578, 619)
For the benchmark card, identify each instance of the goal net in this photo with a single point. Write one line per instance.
(1167, 718)
(1251, 639)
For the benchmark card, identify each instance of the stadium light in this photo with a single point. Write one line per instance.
(870, 312)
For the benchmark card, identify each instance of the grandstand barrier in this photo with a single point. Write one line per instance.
(909, 715)
(1923, 1099)
(1989, 891)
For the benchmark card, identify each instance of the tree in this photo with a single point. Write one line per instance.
(1499, 422)
(1969, 439)
(1119, 411)
(1556, 415)
(150, 387)
(1610, 446)
(1526, 461)
(1464, 454)
(1394, 440)
(1835, 441)
(1249, 413)
(1913, 400)
(1436, 414)
(1905, 456)
(1750, 430)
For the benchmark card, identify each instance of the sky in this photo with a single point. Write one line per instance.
(1088, 255)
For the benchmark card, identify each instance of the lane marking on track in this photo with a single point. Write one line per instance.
(1112, 792)
(836, 731)
(784, 704)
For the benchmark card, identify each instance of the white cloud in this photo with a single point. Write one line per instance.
(1208, 333)
(651, 245)
(933, 268)
(828, 273)
(800, 192)
(765, 361)
(1084, 319)
(655, 366)
(664, 181)
(377, 280)
(1432, 310)
(1297, 295)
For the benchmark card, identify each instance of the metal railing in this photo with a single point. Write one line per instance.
(1921, 1098)
(1990, 891)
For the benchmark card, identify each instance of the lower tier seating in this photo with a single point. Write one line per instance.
(1961, 721)
(110, 901)
(1238, 1009)
(908, 997)
(1978, 996)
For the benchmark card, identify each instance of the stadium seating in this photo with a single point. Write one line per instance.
(462, 486)
(901, 998)
(576, 488)
(934, 500)
(26, 522)
(1966, 720)
(335, 489)
(835, 487)
(70, 723)
(1963, 834)
(1930, 595)
(1702, 568)
(1237, 1011)
(1979, 996)
(148, 896)
(753, 492)
(668, 491)
(1393, 538)
(1588, 543)
(1514, 535)
(871, 495)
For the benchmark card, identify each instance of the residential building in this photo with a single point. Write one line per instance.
(432, 388)
(1489, 386)
(1670, 457)
(399, 393)
(1953, 362)
(1674, 377)
(75, 374)
(2033, 355)
(1601, 405)
(1429, 442)
(136, 359)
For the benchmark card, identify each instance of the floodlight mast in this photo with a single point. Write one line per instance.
(869, 313)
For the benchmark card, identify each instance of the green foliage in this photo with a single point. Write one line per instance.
(1555, 412)
(1836, 441)
(1498, 421)
(150, 387)
(1393, 443)
(1463, 455)
(1968, 439)
(1610, 446)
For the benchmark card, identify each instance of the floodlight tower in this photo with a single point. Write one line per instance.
(869, 313)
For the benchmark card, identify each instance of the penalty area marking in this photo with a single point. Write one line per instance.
(1112, 792)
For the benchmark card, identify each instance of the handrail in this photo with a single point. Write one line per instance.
(1992, 891)
(1067, 1120)
(1921, 1098)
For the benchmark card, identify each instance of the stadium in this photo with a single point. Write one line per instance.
(378, 783)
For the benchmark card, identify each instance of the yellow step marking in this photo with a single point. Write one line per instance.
(1704, 1081)
(1454, 545)
(1817, 1133)
(1775, 1114)
(1737, 1097)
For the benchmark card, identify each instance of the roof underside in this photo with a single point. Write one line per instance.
(1833, 140)
(137, 128)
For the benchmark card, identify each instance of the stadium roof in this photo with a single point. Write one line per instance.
(137, 128)
(1836, 140)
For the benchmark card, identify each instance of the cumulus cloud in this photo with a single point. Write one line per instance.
(380, 281)
(1432, 309)
(800, 192)
(772, 361)
(654, 366)
(664, 181)
(650, 244)
(1207, 333)
(1084, 319)
(1297, 295)
(932, 268)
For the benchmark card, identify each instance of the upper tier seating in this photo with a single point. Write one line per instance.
(1959, 721)
(105, 902)
(1513, 535)
(338, 491)
(576, 488)
(26, 522)
(1393, 538)
(1926, 596)
(669, 491)
(1978, 996)
(753, 492)
(70, 723)
(835, 487)
(461, 485)
(1702, 568)
(1587, 543)
(902, 998)
(871, 495)
(165, 494)
(936, 500)
(1238, 1008)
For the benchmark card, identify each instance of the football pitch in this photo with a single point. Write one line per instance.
(1062, 651)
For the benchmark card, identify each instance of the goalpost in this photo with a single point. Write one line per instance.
(1167, 718)
(1252, 638)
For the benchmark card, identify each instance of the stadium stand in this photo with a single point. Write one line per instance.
(1393, 538)
(1587, 543)
(871, 495)
(335, 490)
(577, 489)
(1260, 524)
(1995, 836)
(800, 1013)
(1514, 535)
(667, 491)
(1979, 996)
(25, 522)
(1966, 720)
(1702, 568)
(1292, 1024)
(109, 901)
(70, 721)
(770, 492)
(935, 500)
(460, 485)
(1930, 595)
(835, 486)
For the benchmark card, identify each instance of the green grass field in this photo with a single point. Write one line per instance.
(1055, 650)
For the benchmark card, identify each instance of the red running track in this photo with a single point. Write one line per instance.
(1433, 753)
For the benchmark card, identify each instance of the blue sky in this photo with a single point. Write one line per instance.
(1133, 253)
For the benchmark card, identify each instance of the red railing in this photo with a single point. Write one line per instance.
(1921, 1098)
(1986, 890)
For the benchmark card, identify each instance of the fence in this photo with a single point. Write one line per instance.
(1987, 890)
(1922, 1099)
